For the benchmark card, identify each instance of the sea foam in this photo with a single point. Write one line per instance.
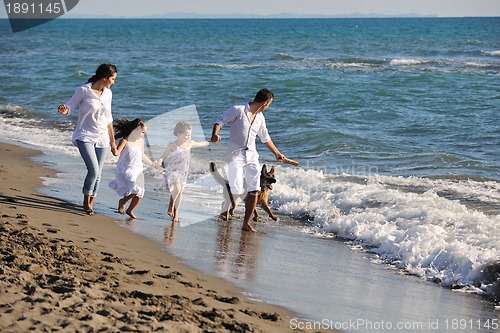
(412, 223)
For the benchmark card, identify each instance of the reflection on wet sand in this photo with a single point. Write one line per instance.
(237, 252)
(169, 234)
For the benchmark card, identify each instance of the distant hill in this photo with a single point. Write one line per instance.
(184, 15)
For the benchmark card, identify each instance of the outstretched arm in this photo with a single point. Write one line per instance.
(146, 159)
(270, 145)
(200, 144)
(170, 148)
(121, 145)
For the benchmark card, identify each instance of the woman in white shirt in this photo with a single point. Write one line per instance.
(94, 131)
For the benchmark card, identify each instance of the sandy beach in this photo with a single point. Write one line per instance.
(61, 270)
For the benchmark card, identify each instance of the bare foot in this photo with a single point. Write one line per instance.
(121, 206)
(224, 216)
(171, 210)
(131, 214)
(248, 227)
(88, 210)
(175, 217)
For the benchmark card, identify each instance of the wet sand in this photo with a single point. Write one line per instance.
(325, 280)
(321, 280)
(61, 270)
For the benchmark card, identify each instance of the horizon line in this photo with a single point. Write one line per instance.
(272, 16)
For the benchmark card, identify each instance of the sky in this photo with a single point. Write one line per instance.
(144, 8)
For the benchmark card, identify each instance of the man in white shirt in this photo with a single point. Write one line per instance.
(246, 123)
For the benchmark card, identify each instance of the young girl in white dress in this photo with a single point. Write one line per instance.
(177, 169)
(129, 182)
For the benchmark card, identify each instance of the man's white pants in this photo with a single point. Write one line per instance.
(244, 167)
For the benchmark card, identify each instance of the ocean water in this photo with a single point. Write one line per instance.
(395, 123)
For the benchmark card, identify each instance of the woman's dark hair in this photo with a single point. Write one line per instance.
(123, 127)
(181, 127)
(103, 71)
(263, 95)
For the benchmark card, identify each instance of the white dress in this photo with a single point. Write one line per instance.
(129, 172)
(177, 169)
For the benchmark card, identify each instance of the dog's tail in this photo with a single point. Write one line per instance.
(219, 179)
(217, 176)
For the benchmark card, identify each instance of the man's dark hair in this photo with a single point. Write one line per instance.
(263, 95)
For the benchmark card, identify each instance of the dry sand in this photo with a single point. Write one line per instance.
(61, 270)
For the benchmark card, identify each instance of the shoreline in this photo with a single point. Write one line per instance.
(63, 269)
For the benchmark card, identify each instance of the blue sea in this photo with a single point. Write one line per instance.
(395, 123)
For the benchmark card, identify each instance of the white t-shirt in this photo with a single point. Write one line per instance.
(94, 116)
(242, 133)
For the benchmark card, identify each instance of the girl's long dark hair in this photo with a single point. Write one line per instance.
(123, 127)
(103, 71)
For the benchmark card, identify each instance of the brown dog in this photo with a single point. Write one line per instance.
(267, 180)
(266, 184)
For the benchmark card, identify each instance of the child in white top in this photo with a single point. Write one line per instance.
(177, 169)
(129, 182)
